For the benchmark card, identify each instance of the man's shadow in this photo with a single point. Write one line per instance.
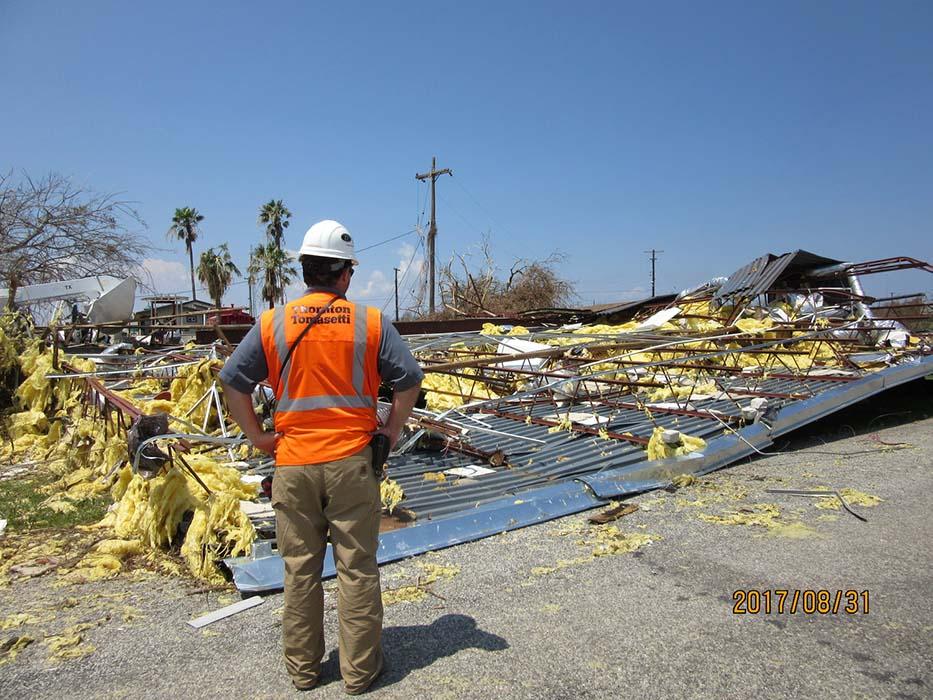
(414, 647)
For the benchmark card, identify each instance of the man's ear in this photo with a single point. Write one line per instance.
(346, 276)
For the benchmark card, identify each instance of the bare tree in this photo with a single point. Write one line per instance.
(53, 229)
(467, 290)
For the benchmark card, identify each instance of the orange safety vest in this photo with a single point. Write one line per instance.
(326, 399)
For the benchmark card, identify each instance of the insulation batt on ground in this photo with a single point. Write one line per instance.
(658, 449)
(82, 452)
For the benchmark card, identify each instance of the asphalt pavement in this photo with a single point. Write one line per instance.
(533, 614)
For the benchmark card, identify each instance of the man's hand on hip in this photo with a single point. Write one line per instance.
(266, 441)
(393, 435)
(402, 403)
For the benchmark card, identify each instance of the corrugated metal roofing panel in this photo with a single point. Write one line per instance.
(758, 276)
(566, 493)
(450, 513)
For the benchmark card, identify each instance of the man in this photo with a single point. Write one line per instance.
(325, 358)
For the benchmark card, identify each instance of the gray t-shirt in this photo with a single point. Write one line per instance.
(396, 365)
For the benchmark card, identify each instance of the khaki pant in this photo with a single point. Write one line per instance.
(342, 498)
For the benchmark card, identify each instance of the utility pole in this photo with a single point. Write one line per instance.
(653, 258)
(432, 231)
(396, 293)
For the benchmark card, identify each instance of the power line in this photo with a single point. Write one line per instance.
(388, 240)
(495, 224)
(407, 270)
(457, 212)
(424, 205)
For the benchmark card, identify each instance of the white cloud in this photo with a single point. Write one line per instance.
(378, 285)
(165, 276)
(409, 262)
(375, 287)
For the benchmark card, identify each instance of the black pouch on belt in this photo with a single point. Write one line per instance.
(380, 445)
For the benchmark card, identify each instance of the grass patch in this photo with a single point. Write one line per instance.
(21, 504)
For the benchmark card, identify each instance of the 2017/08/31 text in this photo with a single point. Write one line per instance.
(792, 601)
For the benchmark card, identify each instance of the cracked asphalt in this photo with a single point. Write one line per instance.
(655, 622)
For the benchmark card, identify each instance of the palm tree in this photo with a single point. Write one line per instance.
(275, 216)
(216, 270)
(185, 228)
(276, 269)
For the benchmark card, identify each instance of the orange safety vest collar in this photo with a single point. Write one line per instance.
(326, 399)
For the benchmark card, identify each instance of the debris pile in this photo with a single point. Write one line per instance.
(611, 400)
(75, 431)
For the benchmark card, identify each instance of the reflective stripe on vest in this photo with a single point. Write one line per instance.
(360, 399)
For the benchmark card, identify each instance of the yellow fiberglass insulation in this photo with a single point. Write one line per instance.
(664, 393)
(754, 326)
(37, 392)
(151, 510)
(154, 406)
(220, 477)
(658, 449)
(689, 312)
(145, 387)
(9, 357)
(391, 494)
(471, 390)
(192, 382)
(493, 329)
(120, 548)
(37, 431)
(219, 529)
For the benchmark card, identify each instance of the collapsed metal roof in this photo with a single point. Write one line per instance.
(574, 434)
(758, 276)
(523, 424)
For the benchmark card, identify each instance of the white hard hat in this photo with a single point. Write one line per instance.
(329, 239)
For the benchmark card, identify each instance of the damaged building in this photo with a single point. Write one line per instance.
(556, 413)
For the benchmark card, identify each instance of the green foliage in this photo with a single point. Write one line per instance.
(216, 270)
(274, 267)
(274, 215)
(185, 228)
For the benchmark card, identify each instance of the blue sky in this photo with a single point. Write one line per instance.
(712, 131)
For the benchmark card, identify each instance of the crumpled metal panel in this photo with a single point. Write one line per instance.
(581, 482)
(801, 413)
(647, 475)
(265, 571)
(758, 276)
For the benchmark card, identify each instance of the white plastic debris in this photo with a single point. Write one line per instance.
(805, 304)
(2, 526)
(516, 346)
(580, 417)
(749, 413)
(470, 471)
(257, 510)
(659, 319)
(778, 314)
(227, 611)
